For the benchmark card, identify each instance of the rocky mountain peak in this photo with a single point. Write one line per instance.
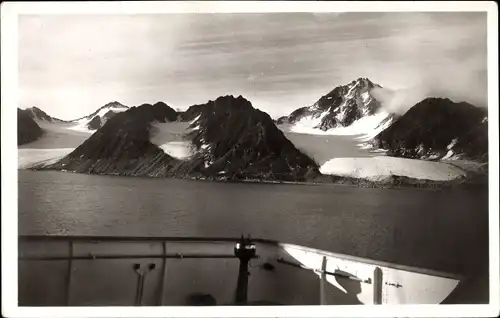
(438, 128)
(38, 114)
(27, 128)
(235, 140)
(341, 106)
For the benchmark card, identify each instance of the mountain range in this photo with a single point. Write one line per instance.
(121, 146)
(230, 139)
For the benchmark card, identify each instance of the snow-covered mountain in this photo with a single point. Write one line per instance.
(434, 128)
(349, 109)
(98, 118)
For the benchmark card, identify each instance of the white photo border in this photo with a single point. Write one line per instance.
(9, 70)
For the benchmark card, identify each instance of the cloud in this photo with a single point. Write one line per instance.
(463, 82)
(278, 61)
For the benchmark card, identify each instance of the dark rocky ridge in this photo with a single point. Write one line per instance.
(121, 146)
(191, 112)
(27, 128)
(297, 114)
(95, 123)
(98, 121)
(236, 141)
(38, 114)
(341, 106)
(428, 131)
(282, 120)
(170, 113)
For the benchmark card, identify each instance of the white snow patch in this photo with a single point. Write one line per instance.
(452, 144)
(194, 120)
(341, 112)
(365, 146)
(433, 156)
(104, 111)
(349, 93)
(379, 150)
(29, 157)
(81, 124)
(170, 138)
(450, 155)
(82, 127)
(420, 149)
(177, 149)
(366, 127)
(306, 124)
(365, 97)
(376, 124)
(379, 168)
(169, 130)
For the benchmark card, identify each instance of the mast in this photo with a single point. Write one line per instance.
(244, 251)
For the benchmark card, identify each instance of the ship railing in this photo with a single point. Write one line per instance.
(244, 251)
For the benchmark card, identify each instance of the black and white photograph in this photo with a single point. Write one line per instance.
(263, 158)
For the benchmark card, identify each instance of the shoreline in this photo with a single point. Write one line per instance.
(393, 182)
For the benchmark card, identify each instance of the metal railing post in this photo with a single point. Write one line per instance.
(163, 275)
(69, 274)
(322, 282)
(377, 286)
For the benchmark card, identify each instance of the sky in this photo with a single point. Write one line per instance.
(70, 65)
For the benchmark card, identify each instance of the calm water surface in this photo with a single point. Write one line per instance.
(446, 231)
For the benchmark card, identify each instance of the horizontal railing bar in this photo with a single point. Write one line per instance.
(280, 260)
(118, 256)
(87, 238)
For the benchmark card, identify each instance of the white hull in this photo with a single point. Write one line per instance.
(394, 285)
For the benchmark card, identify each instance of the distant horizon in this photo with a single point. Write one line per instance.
(278, 61)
